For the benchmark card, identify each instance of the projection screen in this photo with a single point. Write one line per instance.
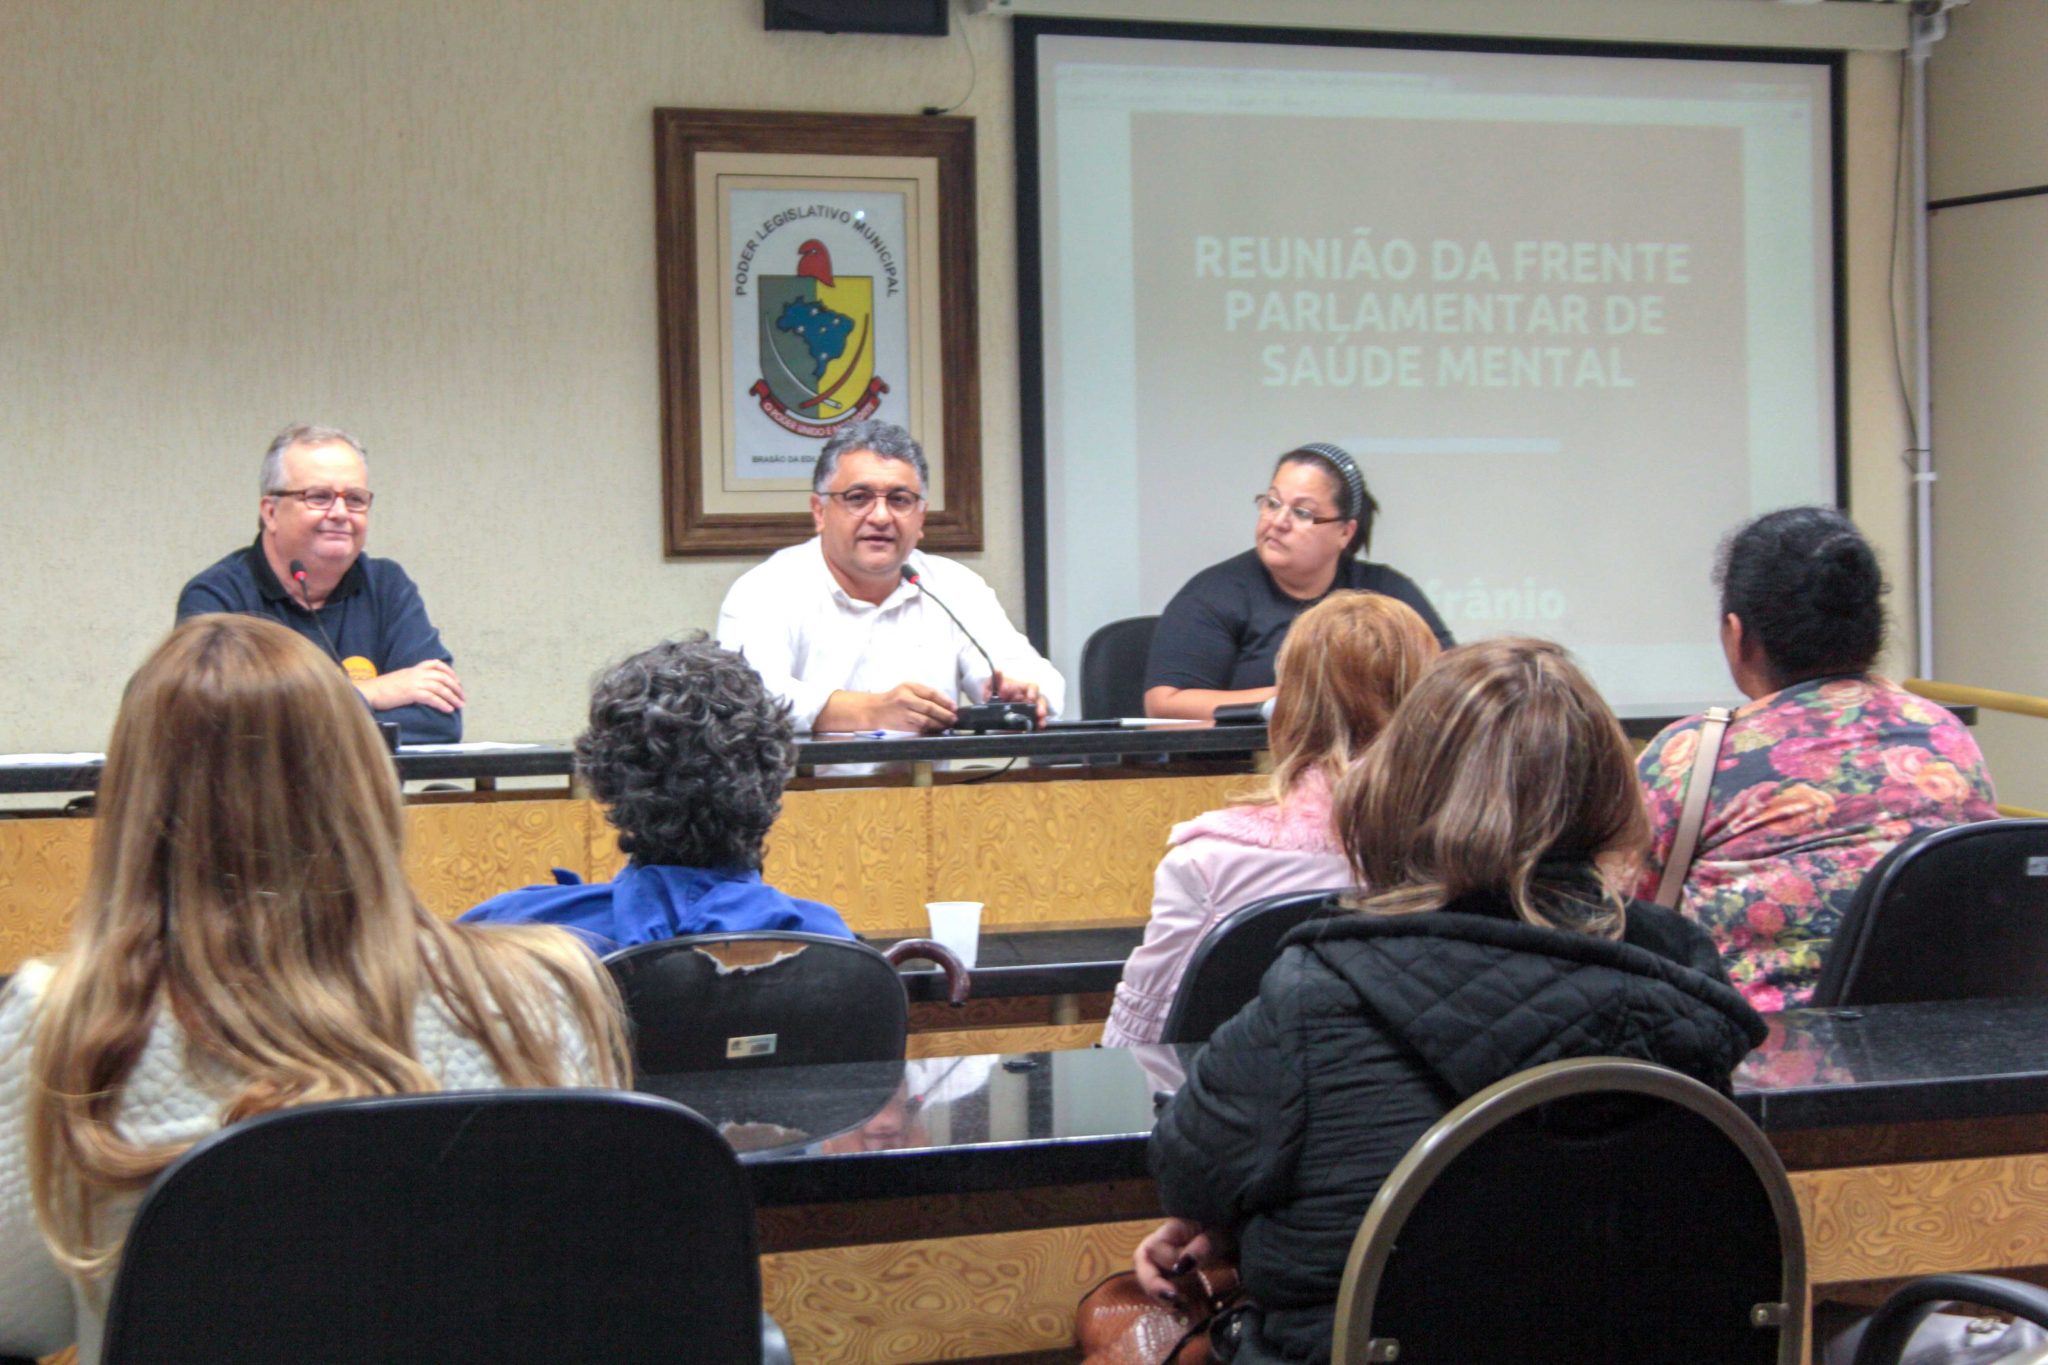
(1573, 309)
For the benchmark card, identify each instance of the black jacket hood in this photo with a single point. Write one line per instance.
(1479, 997)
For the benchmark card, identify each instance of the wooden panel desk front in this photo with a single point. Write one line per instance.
(1069, 847)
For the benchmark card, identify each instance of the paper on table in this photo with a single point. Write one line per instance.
(48, 760)
(470, 746)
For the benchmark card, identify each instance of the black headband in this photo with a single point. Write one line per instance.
(1346, 467)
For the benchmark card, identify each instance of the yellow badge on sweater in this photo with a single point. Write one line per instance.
(358, 668)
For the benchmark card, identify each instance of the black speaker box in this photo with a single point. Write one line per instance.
(925, 18)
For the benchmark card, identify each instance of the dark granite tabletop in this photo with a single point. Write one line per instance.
(968, 1124)
(1034, 962)
(80, 773)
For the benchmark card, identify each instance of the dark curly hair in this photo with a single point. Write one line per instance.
(689, 754)
(1806, 585)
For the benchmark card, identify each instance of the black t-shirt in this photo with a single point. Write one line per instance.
(1222, 630)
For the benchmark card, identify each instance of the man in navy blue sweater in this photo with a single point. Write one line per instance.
(307, 570)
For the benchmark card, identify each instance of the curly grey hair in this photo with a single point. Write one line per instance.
(885, 439)
(302, 434)
(689, 754)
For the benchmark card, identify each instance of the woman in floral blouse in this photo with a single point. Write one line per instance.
(1824, 770)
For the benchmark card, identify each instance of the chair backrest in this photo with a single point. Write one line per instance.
(1950, 914)
(753, 1000)
(1223, 974)
(1586, 1211)
(1113, 668)
(500, 1226)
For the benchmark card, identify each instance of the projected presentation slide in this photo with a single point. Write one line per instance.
(1574, 314)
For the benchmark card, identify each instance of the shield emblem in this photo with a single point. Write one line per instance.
(817, 342)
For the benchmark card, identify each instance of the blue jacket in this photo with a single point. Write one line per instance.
(645, 904)
(374, 613)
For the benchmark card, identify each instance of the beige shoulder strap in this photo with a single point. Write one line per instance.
(1698, 785)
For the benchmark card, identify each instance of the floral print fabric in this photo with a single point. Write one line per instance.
(1814, 784)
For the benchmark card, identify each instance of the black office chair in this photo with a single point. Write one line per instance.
(1950, 914)
(752, 1000)
(498, 1226)
(1113, 668)
(1586, 1211)
(1223, 975)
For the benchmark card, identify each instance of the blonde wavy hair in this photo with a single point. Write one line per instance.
(1504, 771)
(1342, 670)
(247, 878)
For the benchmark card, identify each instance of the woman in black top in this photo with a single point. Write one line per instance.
(1218, 636)
(1492, 822)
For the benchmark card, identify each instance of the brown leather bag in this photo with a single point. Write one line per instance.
(1117, 1323)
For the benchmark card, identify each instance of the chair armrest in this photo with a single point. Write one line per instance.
(1891, 1326)
(958, 983)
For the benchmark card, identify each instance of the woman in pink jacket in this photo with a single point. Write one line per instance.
(1344, 667)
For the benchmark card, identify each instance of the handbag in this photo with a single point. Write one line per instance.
(1699, 783)
(1118, 1323)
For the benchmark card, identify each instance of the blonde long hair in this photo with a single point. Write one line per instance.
(1344, 667)
(1503, 757)
(247, 877)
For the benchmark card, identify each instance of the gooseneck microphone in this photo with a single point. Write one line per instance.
(305, 595)
(910, 577)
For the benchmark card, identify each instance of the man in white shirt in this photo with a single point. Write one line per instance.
(834, 627)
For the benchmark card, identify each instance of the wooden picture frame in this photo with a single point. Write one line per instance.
(813, 269)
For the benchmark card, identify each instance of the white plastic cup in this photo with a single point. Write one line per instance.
(957, 926)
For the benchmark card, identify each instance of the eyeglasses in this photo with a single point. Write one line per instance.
(1269, 505)
(322, 499)
(860, 498)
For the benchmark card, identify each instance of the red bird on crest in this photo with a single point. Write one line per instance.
(814, 261)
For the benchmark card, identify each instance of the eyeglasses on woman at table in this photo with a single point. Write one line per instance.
(1269, 505)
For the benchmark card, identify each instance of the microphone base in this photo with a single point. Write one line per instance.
(996, 717)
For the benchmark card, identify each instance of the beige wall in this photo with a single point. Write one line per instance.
(1879, 492)
(433, 223)
(1988, 86)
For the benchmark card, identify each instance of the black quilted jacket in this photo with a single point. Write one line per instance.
(1369, 1029)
